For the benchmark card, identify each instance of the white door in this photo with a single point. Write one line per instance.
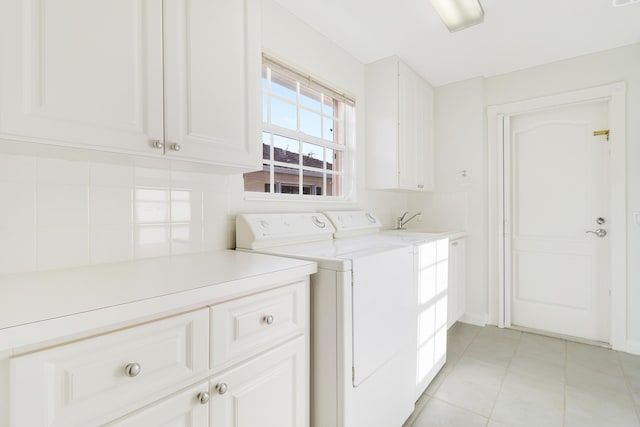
(82, 72)
(556, 175)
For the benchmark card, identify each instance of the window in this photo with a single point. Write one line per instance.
(306, 127)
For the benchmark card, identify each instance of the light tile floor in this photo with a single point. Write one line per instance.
(500, 377)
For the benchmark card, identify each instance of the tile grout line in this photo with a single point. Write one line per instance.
(566, 382)
(504, 377)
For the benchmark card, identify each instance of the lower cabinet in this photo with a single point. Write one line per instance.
(432, 294)
(161, 373)
(269, 391)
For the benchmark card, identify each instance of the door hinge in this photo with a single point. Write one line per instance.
(601, 132)
(353, 374)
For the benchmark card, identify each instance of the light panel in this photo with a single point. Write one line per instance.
(459, 14)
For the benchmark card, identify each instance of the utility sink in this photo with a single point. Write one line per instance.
(428, 231)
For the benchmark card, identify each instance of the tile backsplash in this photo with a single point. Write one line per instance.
(60, 213)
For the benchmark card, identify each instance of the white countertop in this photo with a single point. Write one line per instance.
(76, 299)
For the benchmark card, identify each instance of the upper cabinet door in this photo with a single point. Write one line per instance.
(212, 73)
(399, 127)
(82, 73)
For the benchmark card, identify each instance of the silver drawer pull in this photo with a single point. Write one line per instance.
(132, 369)
(203, 397)
(268, 319)
(175, 146)
(158, 144)
(222, 388)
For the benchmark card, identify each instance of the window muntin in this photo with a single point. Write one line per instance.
(304, 136)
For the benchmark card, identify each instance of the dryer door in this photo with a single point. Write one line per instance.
(383, 309)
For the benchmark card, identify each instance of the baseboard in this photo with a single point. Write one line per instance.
(633, 347)
(474, 319)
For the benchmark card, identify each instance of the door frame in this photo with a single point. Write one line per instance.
(498, 122)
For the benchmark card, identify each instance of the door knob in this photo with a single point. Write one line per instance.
(600, 232)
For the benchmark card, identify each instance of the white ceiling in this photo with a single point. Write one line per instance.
(516, 34)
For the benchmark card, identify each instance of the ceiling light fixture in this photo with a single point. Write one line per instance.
(459, 14)
(617, 3)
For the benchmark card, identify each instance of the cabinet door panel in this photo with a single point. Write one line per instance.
(212, 72)
(270, 391)
(82, 72)
(181, 410)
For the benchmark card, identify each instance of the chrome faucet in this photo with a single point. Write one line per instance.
(401, 222)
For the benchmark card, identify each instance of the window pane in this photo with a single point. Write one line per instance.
(337, 161)
(327, 128)
(266, 145)
(328, 157)
(327, 106)
(283, 114)
(285, 149)
(257, 181)
(312, 155)
(309, 98)
(312, 183)
(286, 180)
(265, 105)
(310, 123)
(283, 87)
(333, 185)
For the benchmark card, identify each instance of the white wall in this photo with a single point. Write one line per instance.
(57, 213)
(458, 125)
(460, 202)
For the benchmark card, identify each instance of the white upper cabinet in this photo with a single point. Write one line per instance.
(142, 77)
(399, 127)
(212, 70)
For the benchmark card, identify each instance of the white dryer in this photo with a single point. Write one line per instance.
(363, 313)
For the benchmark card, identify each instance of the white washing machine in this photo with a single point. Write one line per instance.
(363, 314)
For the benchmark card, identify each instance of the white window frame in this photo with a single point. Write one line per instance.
(345, 174)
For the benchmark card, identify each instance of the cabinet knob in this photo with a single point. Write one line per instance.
(268, 319)
(175, 146)
(158, 144)
(132, 369)
(203, 397)
(222, 388)
(454, 243)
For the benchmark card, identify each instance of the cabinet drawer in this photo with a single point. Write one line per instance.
(83, 382)
(246, 326)
(185, 409)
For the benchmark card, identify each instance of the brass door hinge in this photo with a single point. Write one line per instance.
(601, 132)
